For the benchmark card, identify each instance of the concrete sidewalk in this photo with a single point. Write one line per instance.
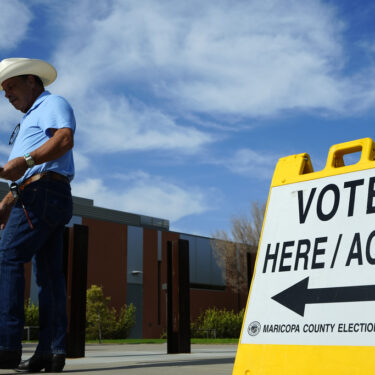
(147, 359)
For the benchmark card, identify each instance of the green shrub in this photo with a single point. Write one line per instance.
(31, 314)
(125, 321)
(103, 321)
(100, 318)
(31, 320)
(218, 323)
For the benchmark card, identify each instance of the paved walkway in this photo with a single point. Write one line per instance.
(147, 359)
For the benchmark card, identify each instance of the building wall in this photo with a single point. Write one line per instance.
(204, 270)
(130, 263)
(208, 288)
(152, 324)
(201, 300)
(135, 277)
(107, 258)
(165, 237)
(147, 253)
(120, 243)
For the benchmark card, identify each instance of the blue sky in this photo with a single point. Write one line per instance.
(184, 106)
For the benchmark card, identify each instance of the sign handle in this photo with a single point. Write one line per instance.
(336, 153)
(297, 168)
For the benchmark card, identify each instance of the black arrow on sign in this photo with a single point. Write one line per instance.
(298, 295)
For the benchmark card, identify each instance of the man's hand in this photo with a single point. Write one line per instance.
(14, 169)
(5, 208)
(60, 142)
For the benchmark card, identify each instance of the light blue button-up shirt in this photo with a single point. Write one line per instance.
(47, 112)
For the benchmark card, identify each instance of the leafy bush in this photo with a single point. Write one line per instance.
(103, 321)
(99, 316)
(31, 314)
(125, 321)
(218, 323)
(31, 320)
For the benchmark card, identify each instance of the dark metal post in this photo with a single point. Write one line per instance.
(172, 345)
(178, 264)
(77, 285)
(184, 296)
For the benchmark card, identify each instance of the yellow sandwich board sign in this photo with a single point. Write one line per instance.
(311, 307)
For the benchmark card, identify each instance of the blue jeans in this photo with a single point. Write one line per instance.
(49, 205)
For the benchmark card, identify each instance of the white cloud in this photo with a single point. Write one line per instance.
(113, 124)
(81, 161)
(247, 57)
(14, 21)
(110, 121)
(362, 91)
(145, 194)
(4, 154)
(9, 116)
(5, 149)
(250, 163)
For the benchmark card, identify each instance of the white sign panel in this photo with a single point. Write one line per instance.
(315, 274)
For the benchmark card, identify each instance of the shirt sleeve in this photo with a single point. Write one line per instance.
(57, 114)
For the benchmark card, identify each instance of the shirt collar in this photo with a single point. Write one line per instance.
(38, 101)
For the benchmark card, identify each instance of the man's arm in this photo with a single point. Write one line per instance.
(60, 142)
(5, 207)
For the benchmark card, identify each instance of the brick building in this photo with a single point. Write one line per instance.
(127, 257)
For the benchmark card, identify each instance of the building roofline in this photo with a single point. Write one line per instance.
(85, 207)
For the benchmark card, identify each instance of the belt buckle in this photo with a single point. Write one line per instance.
(14, 188)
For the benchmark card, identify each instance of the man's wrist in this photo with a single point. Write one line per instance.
(29, 160)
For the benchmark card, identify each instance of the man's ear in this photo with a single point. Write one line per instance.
(31, 80)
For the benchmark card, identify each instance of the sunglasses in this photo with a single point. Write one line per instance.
(14, 134)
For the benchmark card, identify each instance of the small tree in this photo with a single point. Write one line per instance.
(99, 315)
(125, 321)
(31, 314)
(230, 250)
(102, 320)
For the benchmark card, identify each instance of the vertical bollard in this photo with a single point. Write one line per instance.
(184, 296)
(178, 312)
(172, 346)
(76, 262)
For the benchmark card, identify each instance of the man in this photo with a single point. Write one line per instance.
(33, 214)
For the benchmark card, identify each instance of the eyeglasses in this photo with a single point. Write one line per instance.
(14, 134)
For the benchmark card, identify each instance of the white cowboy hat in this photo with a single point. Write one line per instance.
(18, 66)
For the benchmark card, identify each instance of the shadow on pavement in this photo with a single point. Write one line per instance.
(198, 362)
